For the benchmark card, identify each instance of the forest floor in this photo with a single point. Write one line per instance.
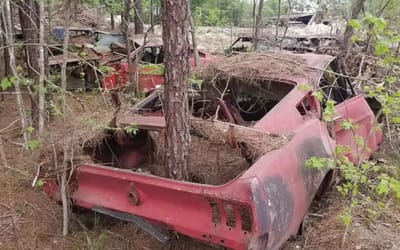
(30, 220)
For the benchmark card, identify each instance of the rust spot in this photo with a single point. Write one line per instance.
(133, 196)
(312, 177)
(280, 204)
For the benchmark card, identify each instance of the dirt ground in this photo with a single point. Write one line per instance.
(29, 220)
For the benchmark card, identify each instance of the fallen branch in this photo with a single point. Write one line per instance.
(3, 154)
(9, 126)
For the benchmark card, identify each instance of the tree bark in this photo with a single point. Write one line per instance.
(151, 10)
(112, 20)
(6, 55)
(289, 13)
(125, 30)
(29, 18)
(254, 16)
(258, 24)
(7, 19)
(176, 46)
(138, 17)
(278, 22)
(64, 183)
(194, 39)
(357, 7)
(42, 72)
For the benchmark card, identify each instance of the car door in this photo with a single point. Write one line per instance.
(364, 137)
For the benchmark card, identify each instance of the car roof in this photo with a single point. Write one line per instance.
(282, 66)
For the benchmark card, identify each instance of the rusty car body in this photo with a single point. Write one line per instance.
(263, 205)
(104, 48)
(150, 53)
(305, 43)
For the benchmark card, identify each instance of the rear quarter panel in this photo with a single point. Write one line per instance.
(286, 187)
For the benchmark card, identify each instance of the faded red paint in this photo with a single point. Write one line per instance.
(276, 190)
(147, 81)
(119, 76)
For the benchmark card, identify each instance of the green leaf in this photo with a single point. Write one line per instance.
(304, 87)
(354, 39)
(381, 48)
(319, 95)
(395, 120)
(329, 111)
(340, 150)
(355, 24)
(40, 183)
(132, 129)
(390, 79)
(346, 218)
(319, 163)
(105, 69)
(151, 69)
(376, 168)
(30, 129)
(6, 83)
(359, 141)
(347, 124)
(32, 145)
(383, 187)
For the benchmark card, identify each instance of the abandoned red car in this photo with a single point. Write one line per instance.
(252, 130)
(150, 70)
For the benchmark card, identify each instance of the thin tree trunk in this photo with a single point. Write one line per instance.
(64, 197)
(3, 72)
(278, 22)
(258, 24)
(383, 8)
(139, 29)
(64, 184)
(30, 21)
(176, 46)
(10, 40)
(151, 15)
(194, 39)
(286, 24)
(357, 7)
(6, 56)
(112, 20)
(254, 17)
(42, 68)
(125, 30)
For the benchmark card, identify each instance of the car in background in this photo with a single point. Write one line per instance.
(150, 68)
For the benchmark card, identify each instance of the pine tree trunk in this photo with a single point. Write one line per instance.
(138, 17)
(176, 46)
(29, 19)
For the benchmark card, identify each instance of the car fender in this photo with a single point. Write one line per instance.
(285, 186)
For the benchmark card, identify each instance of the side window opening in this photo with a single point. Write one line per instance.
(335, 86)
(307, 107)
